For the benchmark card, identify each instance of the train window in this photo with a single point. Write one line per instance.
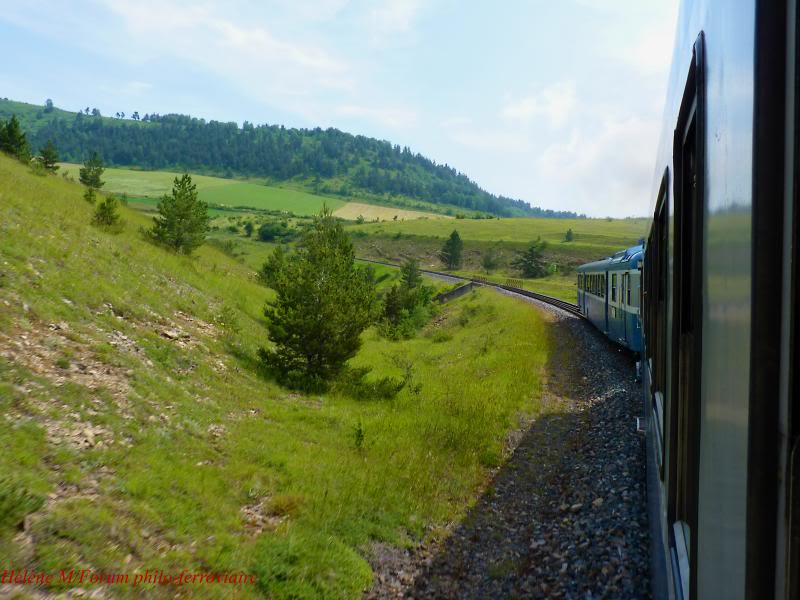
(613, 287)
(684, 410)
(628, 291)
(654, 299)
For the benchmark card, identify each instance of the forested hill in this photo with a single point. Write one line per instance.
(329, 161)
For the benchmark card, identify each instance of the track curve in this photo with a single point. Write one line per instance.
(557, 302)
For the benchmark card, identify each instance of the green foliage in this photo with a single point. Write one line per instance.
(410, 274)
(92, 171)
(452, 250)
(490, 260)
(16, 502)
(568, 236)
(324, 302)
(248, 228)
(358, 435)
(90, 195)
(48, 156)
(275, 230)
(106, 214)
(273, 267)
(182, 221)
(531, 262)
(37, 168)
(13, 140)
(407, 306)
(360, 220)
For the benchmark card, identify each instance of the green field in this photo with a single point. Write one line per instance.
(148, 186)
(586, 232)
(141, 433)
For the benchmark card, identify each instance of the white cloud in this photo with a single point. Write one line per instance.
(555, 103)
(464, 132)
(393, 16)
(609, 170)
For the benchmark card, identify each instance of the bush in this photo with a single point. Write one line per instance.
(354, 384)
(324, 302)
(106, 214)
(407, 306)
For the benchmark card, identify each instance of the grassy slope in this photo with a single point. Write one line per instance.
(175, 454)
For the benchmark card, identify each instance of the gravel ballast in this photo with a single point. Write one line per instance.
(566, 515)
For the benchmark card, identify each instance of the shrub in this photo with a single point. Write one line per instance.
(452, 250)
(106, 214)
(531, 262)
(407, 306)
(353, 383)
(324, 302)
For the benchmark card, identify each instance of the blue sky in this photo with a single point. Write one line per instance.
(555, 102)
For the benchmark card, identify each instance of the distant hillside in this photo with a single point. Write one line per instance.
(328, 161)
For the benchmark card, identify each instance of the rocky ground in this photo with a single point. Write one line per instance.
(565, 517)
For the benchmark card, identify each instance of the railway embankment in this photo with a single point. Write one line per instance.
(565, 516)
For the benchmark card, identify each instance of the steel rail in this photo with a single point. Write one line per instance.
(557, 302)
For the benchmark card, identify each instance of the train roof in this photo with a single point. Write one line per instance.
(620, 261)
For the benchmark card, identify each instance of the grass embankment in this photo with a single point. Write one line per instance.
(503, 239)
(139, 433)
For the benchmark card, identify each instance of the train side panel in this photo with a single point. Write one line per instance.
(705, 454)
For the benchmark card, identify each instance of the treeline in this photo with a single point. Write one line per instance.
(330, 160)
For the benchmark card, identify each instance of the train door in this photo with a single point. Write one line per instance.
(686, 330)
(624, 306)
(606, 294)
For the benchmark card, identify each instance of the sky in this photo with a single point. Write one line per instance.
(554, 102)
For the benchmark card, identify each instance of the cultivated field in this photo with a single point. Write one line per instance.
(352, 210)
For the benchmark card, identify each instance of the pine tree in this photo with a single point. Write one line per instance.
(531, 262)
(452, 250)
(49, 156)
(568, 236)
(410, 275)
(13, 140)
(393, 305)
(92, 171)
(323, 303)
(182, 221)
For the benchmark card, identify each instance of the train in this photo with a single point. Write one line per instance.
(609, 296)
(719, 308)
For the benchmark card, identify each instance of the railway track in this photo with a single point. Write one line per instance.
(557, 302)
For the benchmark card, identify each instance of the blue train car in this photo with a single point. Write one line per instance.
(609, 295)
